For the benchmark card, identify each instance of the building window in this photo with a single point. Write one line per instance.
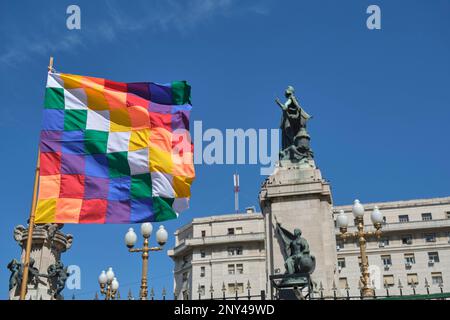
(412, 278)
(203, 233)
(436, 278)
(447, 214)
(387, 260)
(339, 244)
(430, 237)
(433, 257)
(341, 263)
(233, 287)
(406, 239)
(388, 280)
(202, 271)
(403, 218)
(235, 251)
(410, 259)
(231, 269)
(230, 231)
(384, 242)
(202, 253)
(240, 268)
(185, 295)
(343, 283)
(202, 290)
(185, 276)
(427, 216)
(238, 230)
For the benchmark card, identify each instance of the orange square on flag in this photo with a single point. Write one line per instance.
(161, 138)
(68, 210)
(49, 186)
(139, 117)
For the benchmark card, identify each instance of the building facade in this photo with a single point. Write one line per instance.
(228, 252)
(225, 253)
(414, 246)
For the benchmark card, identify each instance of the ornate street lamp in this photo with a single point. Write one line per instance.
(130, 241)
(108, 284)
(361, 235)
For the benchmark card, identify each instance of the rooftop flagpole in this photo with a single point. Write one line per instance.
(23, 286)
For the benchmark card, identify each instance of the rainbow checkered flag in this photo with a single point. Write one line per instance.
(114, 152)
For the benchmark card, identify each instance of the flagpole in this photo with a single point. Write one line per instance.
(23, 287)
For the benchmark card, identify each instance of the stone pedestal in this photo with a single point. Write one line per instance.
(48, 244)
(296, 196)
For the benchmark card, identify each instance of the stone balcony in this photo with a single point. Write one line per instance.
(189, 243)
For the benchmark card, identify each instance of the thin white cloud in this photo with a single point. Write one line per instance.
(182, 16)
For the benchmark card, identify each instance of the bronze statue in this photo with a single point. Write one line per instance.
(57, 274)
(16, 269)
(296, 251)
(294, 137)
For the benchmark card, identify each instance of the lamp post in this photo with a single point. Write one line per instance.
(108, 284)
(130, 241)
(361, 235)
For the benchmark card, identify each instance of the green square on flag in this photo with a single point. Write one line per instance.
(75, 120)
(118, 164)
(54, 98)
(141, 186)
(163, 208)
(95, 142)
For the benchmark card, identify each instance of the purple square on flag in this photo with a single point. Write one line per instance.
(95, 188)
(160, 108)
(180, 120)
(53, 119)
(140, 89)
(161, 93)
(97, 166)
(50, 141)
(72, 142)
(72, 163)
(142, 210)
(118, 212)
(119, 188)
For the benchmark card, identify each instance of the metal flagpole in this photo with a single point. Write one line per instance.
(23, 287)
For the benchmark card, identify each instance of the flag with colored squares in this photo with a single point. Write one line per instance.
(114, 152)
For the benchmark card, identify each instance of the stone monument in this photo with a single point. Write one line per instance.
(296, 196)
(47, 274)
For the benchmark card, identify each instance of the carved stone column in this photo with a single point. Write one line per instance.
(48, 244)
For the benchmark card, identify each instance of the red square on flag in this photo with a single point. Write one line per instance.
(50, 163)
(161, 120)
(93, 211)
(72, 186)
(113, 85)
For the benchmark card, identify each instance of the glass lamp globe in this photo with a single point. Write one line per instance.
(130, 238)
(342, 219)
(161, 236)
(146, 229)
(358, 209)
(376, 216)
(115, 284)
(110, 274)
(102, 279)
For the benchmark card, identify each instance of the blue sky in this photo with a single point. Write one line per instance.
(380, 99)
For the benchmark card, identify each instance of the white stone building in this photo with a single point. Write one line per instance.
(414, 246)
(230, 250)
(220, 250)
